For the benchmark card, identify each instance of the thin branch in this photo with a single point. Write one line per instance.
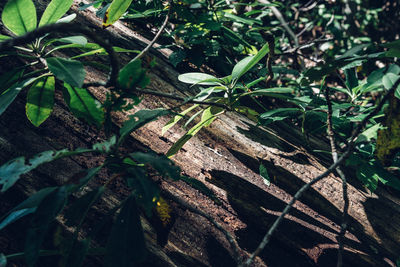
(343, 226)
(144, 51)
(282, 20)
(68, 28)
(305, 187)
(228, 236)
(161, 94)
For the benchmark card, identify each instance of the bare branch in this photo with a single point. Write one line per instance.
(305, 187)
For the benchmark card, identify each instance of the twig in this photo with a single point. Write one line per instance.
(304, 188)
(281, 19)
(144, 51)
(161, 94)
(68, 28)
(228, 236)
(343, 226)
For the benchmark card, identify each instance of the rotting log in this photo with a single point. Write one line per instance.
(226, 157)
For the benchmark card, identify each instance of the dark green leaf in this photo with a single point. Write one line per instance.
(77, 253)
(139, 119)
(40, 100)
(368, 176)
(177, 118)
(8, 96)
(389, 80)
(19, 16)
(115, 11)
(160, 163)
(79, 208)
(3, 260)
(67, 70)
(83, 105)
(126, 245)
(177, 57)
(46, 212)
(131, 75)
(264, 174)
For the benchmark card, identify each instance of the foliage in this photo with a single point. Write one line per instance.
(229, 37)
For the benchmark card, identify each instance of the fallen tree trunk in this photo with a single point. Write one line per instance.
(226, 157)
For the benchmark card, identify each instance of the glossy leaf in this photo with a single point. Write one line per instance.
(139, 119)
(46, 212)
(54, 11)
(177, 118)
(83, 105)
(115, 11)
(247, 63)
(19, 16)
(9, 96)
(389, 80)
(126, 245)
(69, 71)
(199, 78)
(40, 100)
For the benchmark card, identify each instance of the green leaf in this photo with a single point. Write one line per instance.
(177, 118)
(389, 80)
(247, 63)
(115, 11)
(370, 133)
(26, 207)
(40, 100)
(54, 11)
(278, 114)
(162, 164)
(46, 212)
(8, 96)
(264, 174)
(77, 253)
(105, 146)
(10, 77)
(126, 244)
(139, 119)
(77, 211)
(177, 57)
(3, 260)
(4, 37)
(69, 71)
(209, 115)
(83, 105)
(19, 16)
(131, 74)
(79, 40)
(270, 91)
(199, 78)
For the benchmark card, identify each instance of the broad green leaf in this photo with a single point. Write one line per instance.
(83, 105)
(199, 78)
(278, 115)
(139, 119)
(40, 100)
(393, 52)
(54, 11)
(270, 91)
(69, 71)
(67, 19)
(115, 11)
(26, 207)
(177, 118)
(208, 116)
(160, 163)
(78, 210)
(247, 63)
(389, 80)
(8, 96)
(19, 16)
(394, 44)
(370, 133)
(367, 175)
(4, 37)
(126, 246)
(264, 174)
(131, 74)
(79, 40)
(10, 77)
(46, 212)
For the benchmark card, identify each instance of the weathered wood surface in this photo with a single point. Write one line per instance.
(226, 157)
